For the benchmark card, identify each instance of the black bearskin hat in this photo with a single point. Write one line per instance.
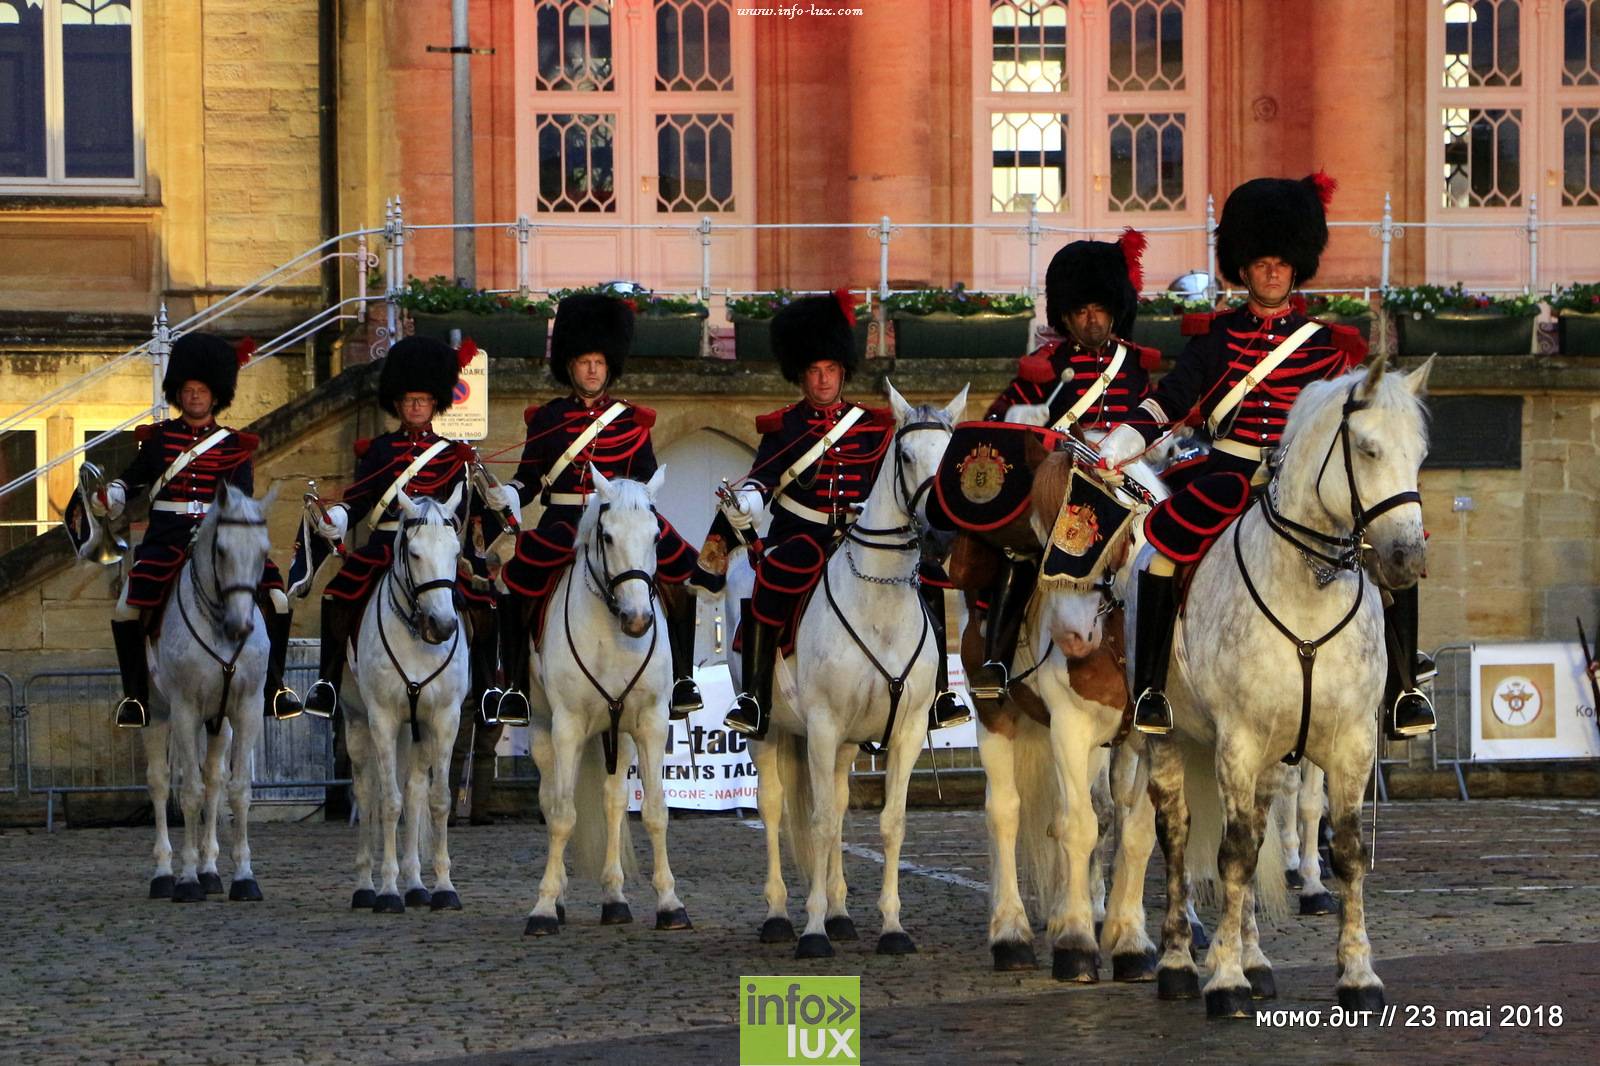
(202, 357)
(1275, 216)
(814, 328)
(591, 322)
(419, 364)
(1096, 272)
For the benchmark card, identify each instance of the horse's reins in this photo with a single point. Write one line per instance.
(412, 619)
(908, 501)
(1349, 558)
(605, 587)
(213, 612)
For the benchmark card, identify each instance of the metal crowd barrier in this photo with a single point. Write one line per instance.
(73, 747)
(15, 740)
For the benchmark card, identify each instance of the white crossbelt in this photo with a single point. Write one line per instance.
(1238, 449)
(195, 507)
(579, 443)
(815, 452)
(1259, 373)
(182, 462)
(375, 516)
(566, 499)
(811, 514)
(1092, 394)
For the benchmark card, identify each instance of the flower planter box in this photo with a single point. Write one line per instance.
(1162, 332)
(511, 333)
(942, 335)
(752, 338)
(667, 336)
(1580, 333)
(1464, 333)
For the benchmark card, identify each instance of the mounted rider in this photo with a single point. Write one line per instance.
(815, 465)
(1240, 374)
(182, 461)
(416, 383)
(1092, 378)
(568, 439)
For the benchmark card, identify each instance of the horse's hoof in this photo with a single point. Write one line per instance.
(1013, 955)
(211, 883)
(1262, 984)
(1177, 984)
(561, 913)
(615, 913)
(813, 946)
(188, 892)
(388, 903)
(541, 925)
(1293, 879)
(364, 899)
(1098, 926)
(246, 891)
(1199, 939)
(1134, 966)
(1319, 904)
(1230, 1003)
(674, 919)
(840, 927)
(777, 931)
(161, 887)
(444, 900)
(896, 944)
(418, 897)
(1076, 965)
(1369, 998)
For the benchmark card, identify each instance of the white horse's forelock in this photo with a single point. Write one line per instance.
(1314, 419)
(626, 495)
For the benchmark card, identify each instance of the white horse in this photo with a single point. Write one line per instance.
(601, 683)
(863, 634)
(409, 661)
(1282, 637)
(1042, 779)
(209, 664)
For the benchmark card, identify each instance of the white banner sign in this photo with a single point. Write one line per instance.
(1531, 701)
(468, 417)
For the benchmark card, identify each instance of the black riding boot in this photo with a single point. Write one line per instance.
(514, 652)
(323, 699)
(946, 710)
(133, 709)
(1158, 614)
(281, 701)
(1008, 601)
(680, 611)
(484, 656)
(1410, 710)
(752, 708)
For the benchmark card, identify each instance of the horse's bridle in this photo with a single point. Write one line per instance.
(405, 585)
(211, 610)
(605, 583)
(1332, 553)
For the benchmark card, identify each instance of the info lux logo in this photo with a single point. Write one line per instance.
(793, 1020)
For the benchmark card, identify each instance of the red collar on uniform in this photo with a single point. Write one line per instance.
(601, 402)
(418, 436)
(1286, 310)
(830, 411)
(197, 431)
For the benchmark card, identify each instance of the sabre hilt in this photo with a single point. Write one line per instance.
(485, 480)
(729, 501)
(313, 500)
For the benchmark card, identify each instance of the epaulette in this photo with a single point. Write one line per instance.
(881, 417)
(361, 446)
(1197, 323)
(772, 421)
(1035, 369)
(1348, 339)
(248, 441)
(142, 433)
(464, 452)
(643, 417)
(1149, 358)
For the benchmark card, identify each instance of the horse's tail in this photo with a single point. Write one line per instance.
(1038, 852)
(588, 842)
(1206, 823)
(794, 774)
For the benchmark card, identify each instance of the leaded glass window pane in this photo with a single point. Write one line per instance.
(1029, 161)
(1146, 152)
(694, 161)
(1580, 156)
(694, 52)
(572, 39)
(22, 128)
(1029, 46)
(1482, 157)
(1482, 43)
(1146, 41)
(97, 84)
(576, 168)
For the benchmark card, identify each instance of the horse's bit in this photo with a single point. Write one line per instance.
(212, 611)
(407, 587)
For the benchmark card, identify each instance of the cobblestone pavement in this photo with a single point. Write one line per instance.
(1488, 904)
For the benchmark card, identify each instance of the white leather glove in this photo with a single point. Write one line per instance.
(1120, 445)
(116, 501)
(747, 505)
(334, 526)
(1028, 414)
(501, 498)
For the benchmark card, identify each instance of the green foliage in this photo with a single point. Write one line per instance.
(1172, 303)
(1425, 301)
(644, 302)
(958, 301)
(763, 305)
(441, 296)
(1581, 299)
(1339, 304)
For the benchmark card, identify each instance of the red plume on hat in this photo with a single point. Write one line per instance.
(245, 350)
(847, 304)
(1133, 244)
(466, 353)
(1326, 187)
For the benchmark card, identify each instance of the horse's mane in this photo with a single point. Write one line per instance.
(1050, 480)
(626, 495)
(1316, 412)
